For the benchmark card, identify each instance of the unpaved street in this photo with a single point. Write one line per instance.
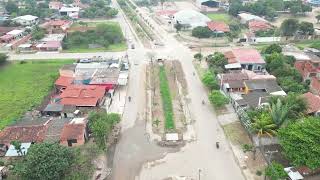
(201, 154)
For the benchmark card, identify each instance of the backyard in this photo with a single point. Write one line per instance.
(24, 85)
(220, 17)
(100, 36)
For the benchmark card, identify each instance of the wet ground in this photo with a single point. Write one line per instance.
(133, 150)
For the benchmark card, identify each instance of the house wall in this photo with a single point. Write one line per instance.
(315, 86)
(254, 67)
(79, 142)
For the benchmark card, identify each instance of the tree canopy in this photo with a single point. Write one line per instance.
(289, 27)
(306, 28)
(209, 79)
(273, 48)
(3, 58)
(275, 171)
(201, 32)
(45, 161)
(300, 142)
(101, 124)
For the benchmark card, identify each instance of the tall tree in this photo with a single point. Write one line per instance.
(3, 58)
(218, 99)
(300, 142)
(289, 27)
(11, 7)
(306, 28)
(318, 18)
(45, 161)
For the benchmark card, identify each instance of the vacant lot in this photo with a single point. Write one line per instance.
(220, 17)
(98, 37)
(23, 86)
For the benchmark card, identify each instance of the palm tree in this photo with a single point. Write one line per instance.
(279, 113)
(263, 125)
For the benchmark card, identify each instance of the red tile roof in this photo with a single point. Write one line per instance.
(50, 44)
(82, 95)
(6, 37)
(59, 22)
(72, 131)
(23, 133)
(313, 102)
(244, 56)
(218, 26)
(256, 25)
(64, 81)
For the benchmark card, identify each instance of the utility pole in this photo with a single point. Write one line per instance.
(269, 154)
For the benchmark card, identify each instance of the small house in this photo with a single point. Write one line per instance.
(218, 27)
(70, 11)
(49, 46)
(249, 59)
(74, 133)
(26, 20)
(55, 5)
(313, 102)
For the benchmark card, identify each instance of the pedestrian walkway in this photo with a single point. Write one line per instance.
(118, 100)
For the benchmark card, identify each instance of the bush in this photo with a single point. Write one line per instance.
(201, 32)
(273, 48)
(275, 171)
(209, 80)
(218, 99)
(101, 124)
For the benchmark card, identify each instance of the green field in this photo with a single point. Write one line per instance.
(94, 24)
(220, 17)
(23, 87)
(166, 99)
(112, 48)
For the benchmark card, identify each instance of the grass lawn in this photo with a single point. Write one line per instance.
(112, 48)
(166, 99)
(94, 24)
(23, 87)
(220, 17)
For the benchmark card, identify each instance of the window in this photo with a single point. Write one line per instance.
(71, 141)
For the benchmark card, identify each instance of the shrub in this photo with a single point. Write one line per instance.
(218, 99)
(209, 80)
(201, 32)
(275, 171)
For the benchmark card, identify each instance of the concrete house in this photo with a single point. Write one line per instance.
(26, 20)
(249, 59)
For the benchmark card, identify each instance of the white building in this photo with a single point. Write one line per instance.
(190, 18)
(70, 11)
(26, 20)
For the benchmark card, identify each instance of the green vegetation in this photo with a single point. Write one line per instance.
(290, 27)
(40, 9)
(45, 161)
(220, 17)
(269, 8)
(268, 33)
(82, 167)
(99, 9)
(275, 171)
(315, 45)
(93, 24)
(3, 58)
(201, 32)
(287, 76)
(105, 36)
(101, 124)
(209, 80)
(37, 33)
(216, 62)
(217, 99)
(300, 142)
(24, 85)
(273, 48)
(166, 99)
(198, 56)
